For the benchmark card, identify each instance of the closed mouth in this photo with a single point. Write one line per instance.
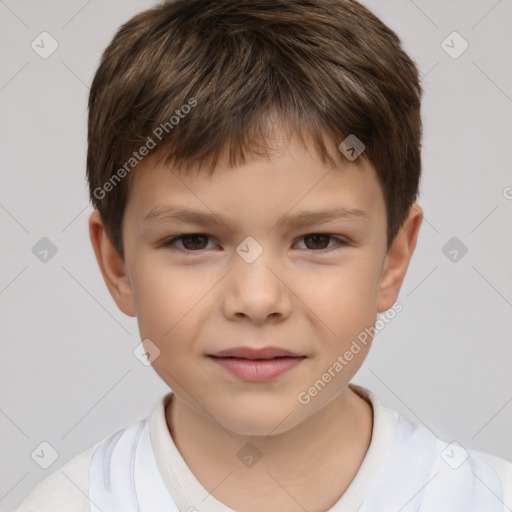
(258, 359)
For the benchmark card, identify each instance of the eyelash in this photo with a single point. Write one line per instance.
(341, 242)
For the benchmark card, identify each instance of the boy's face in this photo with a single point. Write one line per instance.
(309, 295)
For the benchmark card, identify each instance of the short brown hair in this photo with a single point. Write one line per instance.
(326, 68)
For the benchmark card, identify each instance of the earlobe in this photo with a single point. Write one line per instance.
(112, 267)
(398, 258)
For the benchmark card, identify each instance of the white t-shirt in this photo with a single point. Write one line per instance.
(407, 468)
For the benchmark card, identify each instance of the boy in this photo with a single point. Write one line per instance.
(254, 165)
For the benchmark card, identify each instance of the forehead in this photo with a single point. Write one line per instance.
(292, 180)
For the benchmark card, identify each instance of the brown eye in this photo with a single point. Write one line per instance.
(317, 241)
(192, 242)
(321, 241)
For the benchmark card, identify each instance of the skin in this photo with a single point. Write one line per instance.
(311, 296)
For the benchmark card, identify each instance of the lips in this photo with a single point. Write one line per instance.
(252, 353)
(257, 365)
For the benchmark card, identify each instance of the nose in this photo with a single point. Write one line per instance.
(257, 291)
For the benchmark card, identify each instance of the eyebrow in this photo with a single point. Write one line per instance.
(167, 213)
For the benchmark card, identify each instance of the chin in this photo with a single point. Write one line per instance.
(258, 421)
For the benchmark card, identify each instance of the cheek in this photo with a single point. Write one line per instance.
(168, 304)
(344, 297)
(346, 304)
(166, 299)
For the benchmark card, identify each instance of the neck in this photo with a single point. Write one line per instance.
(323, 453)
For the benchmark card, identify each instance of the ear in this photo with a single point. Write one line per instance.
(398, 258)
(111, 265)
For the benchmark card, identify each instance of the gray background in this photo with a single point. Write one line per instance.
(68, 374)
